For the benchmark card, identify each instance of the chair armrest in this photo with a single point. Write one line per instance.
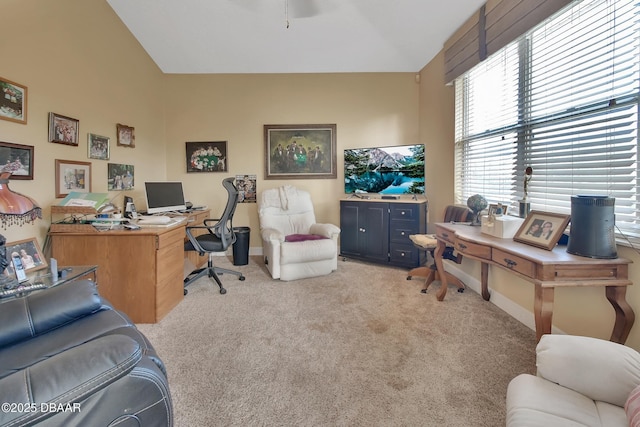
(42, 311)
(599, 369)
(326, 230)
(272, 234)
(67, 377)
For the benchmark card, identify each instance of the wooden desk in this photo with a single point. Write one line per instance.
(140, 271)
(545, 269)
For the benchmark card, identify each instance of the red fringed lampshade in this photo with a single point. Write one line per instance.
(16, 208)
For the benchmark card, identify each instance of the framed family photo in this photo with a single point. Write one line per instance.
(542, 229)
(120, 176)
(18, 159)
(207, 156)
(72, 176)
(97, 147)
(498, 209)
(63, 129)
(126, 135)
(13, 101)
(300, 151)
(29, 252)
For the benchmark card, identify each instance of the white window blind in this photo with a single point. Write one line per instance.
(562, 99)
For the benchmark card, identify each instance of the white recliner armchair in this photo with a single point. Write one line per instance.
(294, 246)
(580, 381)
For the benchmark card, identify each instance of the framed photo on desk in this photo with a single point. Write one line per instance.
(30, 253)
(542, 229)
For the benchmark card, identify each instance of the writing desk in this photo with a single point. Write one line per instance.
(547, 270)
(140, 272)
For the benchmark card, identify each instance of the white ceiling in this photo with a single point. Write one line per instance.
(324, 36)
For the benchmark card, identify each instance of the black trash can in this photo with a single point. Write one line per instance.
(241, 245)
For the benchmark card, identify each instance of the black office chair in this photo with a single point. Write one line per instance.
(218, 237)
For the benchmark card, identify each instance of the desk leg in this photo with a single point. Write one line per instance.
(484, 281)
(437, 257)
(543, 310)
(624, 313)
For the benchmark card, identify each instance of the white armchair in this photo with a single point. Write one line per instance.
(580, 381)
(294, 246)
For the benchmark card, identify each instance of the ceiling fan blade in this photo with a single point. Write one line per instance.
(303, 8)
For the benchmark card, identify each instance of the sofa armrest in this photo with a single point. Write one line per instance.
(271, 234)
(327, 230)
(39, 312)
(66, 378)
(601, 370)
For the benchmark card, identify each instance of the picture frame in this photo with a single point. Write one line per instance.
(13, 101)
(493, 209)
(98, 147)
(206, 156)
(71, 176)
(63, 129)
(300, 151)
(126, 135)
(120, 177)
(542, 229)
(18, 159)
(29, 250)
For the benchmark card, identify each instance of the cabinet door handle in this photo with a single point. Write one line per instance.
(362, 230)
(462, 246)
(402, 213)
(445, 235)
(402, 233)
(510, 263)
(402, 254)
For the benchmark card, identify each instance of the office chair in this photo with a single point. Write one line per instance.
(452, 213)
(217, 235)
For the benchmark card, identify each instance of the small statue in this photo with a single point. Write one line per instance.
(528, 174)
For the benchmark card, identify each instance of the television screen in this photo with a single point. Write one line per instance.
(164, 197)
(385, 170)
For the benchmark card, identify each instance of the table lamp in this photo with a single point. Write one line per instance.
(15, 208)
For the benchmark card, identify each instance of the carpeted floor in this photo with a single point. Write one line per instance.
(360, 347)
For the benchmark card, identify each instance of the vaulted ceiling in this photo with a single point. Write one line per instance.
(292, 36)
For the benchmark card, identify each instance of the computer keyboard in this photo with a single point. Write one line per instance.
(154, 219)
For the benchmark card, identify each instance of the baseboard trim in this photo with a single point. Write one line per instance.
(505, 304)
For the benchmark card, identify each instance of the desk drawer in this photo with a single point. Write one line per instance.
(473, 249)
(515, 263)
(446, 235)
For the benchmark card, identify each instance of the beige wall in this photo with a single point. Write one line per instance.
(368, 110)
(79, 60)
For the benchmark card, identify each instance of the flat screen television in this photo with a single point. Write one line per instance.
(164, 197)
(391, 170)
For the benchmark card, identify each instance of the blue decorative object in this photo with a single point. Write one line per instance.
(477, 204)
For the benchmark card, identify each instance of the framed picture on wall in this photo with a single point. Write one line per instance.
(97, 147)
(63, 129)
(126, 135)
(207, 156)
(18, 159)
(72, 176)
(300, 151)
(13, 101)
(120, 176)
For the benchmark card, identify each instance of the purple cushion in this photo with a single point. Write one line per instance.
(303, 237)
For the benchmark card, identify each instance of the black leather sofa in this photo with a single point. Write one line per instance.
(68, 358)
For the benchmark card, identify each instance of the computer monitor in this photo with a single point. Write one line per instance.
(164, 197)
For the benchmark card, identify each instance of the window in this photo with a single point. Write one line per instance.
(562, 99)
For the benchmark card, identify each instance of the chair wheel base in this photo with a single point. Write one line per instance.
(241, 278)
(223, 291)
(186, 291)
(460, 290)
(423, 291)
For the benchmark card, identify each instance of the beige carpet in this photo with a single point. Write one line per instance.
(360, 347)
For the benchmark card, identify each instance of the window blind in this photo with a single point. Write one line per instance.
(562, 99)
